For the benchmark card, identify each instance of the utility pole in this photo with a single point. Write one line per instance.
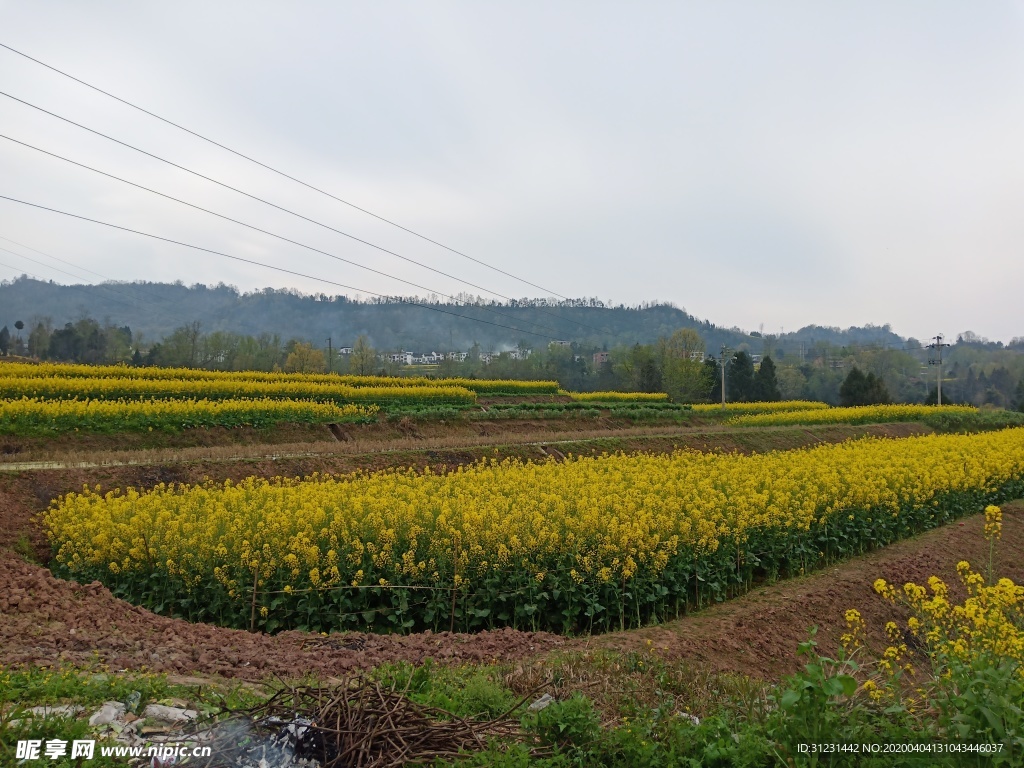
(330, 356)
(937, 360)
(724, 350)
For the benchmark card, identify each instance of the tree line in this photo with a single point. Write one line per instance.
(975, 372)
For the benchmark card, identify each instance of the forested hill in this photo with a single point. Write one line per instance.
(156, 309)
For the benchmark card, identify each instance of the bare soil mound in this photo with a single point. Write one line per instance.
(44, 621)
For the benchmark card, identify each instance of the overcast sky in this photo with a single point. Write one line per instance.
(780, 163)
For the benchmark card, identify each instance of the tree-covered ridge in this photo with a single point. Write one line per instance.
(155, 310)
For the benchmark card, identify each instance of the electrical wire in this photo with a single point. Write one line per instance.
(135, 299)
(295, 273)
(285, 210)
(18, 271)
(138, 297)
(280, 173)
(258, 229)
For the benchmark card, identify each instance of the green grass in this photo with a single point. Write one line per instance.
(611, 710)
(472, 692)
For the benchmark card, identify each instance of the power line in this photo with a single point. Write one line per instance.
(282, 173)
(55, 269)
(398, 299)
(80, 268)
(47, 255)
(43, 280)
(40, 263)
(257, 229)
(279, 207)
(135, 299)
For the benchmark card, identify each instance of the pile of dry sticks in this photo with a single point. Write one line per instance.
(358, 723)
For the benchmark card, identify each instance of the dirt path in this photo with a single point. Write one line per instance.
(90, 451)
(44, 620)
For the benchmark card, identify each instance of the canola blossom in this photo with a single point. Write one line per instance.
(585, 545)
(619, 397)
(862, 414)
(770, 407)
(31, 416)
(990, 621)
(988, 627)
(69, 371)
(82, 388)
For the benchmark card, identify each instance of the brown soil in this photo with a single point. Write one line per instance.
(46, 621)
(490, 399)
(16, 447)
(382, 435)
(411, 437)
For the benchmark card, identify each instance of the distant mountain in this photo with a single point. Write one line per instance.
(156, 309)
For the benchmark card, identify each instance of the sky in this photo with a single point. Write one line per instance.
(762, 165)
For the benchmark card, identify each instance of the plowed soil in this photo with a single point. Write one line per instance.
(408, 435)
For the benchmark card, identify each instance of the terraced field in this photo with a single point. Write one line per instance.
(224, 521)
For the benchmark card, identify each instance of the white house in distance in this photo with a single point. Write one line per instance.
(427, 358)
(433, 358)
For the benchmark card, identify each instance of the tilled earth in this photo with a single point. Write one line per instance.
(44, 620)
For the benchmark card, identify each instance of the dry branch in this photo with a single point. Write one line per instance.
(359, 723)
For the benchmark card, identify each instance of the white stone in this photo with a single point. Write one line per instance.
(110, 712)
(541, 703)
(169, 714)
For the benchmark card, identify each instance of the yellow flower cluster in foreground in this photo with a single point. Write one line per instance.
(65, 371)
(989, 622)
(993, 522)
(862, 414)
(34, 416)
(558, 544)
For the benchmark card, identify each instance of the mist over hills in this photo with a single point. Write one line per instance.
(154, 310)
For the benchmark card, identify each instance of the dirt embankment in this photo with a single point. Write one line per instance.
(408, 434)
(46, 621)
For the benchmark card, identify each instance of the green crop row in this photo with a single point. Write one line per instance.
(29, 416)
